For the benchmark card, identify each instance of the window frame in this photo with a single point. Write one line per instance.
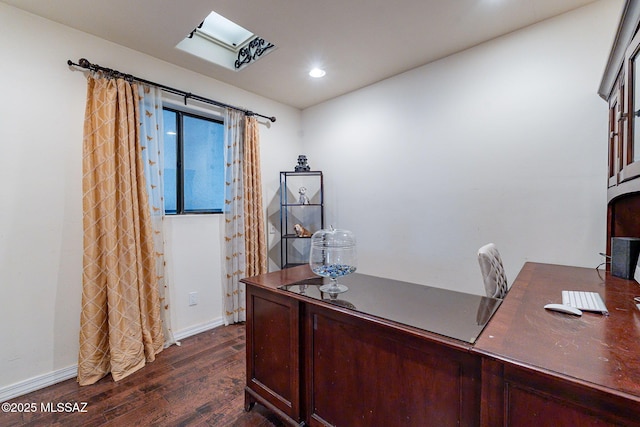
(181, 112)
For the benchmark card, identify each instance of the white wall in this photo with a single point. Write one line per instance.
(504, 143)
(41, 121)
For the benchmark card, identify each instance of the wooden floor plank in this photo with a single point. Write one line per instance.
(199, 383)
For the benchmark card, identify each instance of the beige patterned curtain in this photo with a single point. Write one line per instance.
(245, 241)
(234, 249)
(120, 325)
(255, 237)
(151, 142)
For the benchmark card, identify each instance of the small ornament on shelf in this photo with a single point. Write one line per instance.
(303, 199)
(302, 164)
(301, 231)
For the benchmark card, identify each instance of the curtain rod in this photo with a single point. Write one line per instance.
(84, 63)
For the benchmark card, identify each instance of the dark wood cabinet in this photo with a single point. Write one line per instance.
(273, 367)
(620, 87)
(359, 373)
(521, 395)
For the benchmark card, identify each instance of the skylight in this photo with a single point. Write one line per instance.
(225, 31)
(223, 42)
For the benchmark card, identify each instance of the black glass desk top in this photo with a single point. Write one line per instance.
(449, 313)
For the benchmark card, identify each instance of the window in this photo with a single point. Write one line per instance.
(193, 163)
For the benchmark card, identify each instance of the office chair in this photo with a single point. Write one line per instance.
(495, 279)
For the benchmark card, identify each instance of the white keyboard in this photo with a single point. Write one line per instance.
(586, 301)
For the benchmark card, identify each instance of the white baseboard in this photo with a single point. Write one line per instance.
(194, 330)
(41, 381)
(36, 383)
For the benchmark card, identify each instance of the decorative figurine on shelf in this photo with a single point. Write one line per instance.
(303, 199)
(301, 231)
(302, 164)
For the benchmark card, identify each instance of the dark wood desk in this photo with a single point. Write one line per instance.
(318, 363)
(555, 369)
(384, 353)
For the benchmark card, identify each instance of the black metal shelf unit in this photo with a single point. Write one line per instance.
(301, 204)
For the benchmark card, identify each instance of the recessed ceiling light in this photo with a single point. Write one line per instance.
(317, 73)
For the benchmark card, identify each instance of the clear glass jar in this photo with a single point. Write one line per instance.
(333, 254)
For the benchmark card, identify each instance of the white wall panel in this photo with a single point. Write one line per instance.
(504, 143)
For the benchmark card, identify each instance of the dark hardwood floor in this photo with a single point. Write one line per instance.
(200, 383)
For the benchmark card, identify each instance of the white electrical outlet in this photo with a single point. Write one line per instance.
(193, 298)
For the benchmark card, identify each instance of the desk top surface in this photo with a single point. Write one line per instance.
(452, 314)
(457, 317)
(598, 349)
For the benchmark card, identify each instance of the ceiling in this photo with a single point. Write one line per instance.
(358, 42)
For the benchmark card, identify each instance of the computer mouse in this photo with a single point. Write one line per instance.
(563, 308)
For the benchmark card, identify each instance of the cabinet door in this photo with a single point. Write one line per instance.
(630, 135)
(616, 134)
(359, 373)
(273, 375)
(517, 397)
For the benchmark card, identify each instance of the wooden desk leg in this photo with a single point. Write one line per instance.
(249, 401)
